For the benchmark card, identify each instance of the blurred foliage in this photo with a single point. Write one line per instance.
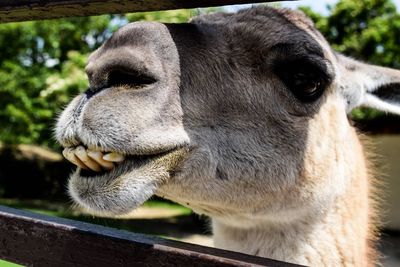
(173, 16)
(41, 67)
(42, 63)
(368, 30)
(364, 29)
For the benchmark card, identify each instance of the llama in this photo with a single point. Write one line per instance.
(241, 117)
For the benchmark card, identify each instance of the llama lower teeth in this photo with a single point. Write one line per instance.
(114, 157)
(69, 154)
(98, 157)
(92, 160)
(81, 153)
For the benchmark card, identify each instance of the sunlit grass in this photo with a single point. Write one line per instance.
(63, 210)
(167, 205)
(8, 264)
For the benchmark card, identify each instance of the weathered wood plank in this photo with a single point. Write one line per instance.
(37, 240)
(23, 10)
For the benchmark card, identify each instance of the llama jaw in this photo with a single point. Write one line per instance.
(125, 186)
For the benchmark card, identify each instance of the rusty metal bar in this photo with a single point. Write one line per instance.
(23, 10)
(38, 240)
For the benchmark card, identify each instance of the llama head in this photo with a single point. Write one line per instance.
(230, 114)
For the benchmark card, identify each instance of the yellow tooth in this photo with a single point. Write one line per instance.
(80, 152)
(69, 154)
(98, 157)
(114, 157)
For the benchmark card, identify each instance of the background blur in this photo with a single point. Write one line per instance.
(42, 68)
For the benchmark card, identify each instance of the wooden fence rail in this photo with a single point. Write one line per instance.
(22, 10)
(37, 240)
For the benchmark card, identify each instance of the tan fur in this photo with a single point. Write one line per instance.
(339, 232)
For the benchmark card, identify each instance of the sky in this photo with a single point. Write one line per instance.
(319, 6)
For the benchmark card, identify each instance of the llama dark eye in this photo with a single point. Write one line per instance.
(304, 79)
(305, 87)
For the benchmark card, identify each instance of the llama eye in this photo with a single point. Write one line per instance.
(304, 79)
(305, 87)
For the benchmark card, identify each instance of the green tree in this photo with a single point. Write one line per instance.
(32, 55)
(365, 29)
(368, 30)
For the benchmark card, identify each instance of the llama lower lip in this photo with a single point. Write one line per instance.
(126, 186)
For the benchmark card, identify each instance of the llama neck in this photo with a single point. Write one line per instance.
(334, 235)
(327, 241)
